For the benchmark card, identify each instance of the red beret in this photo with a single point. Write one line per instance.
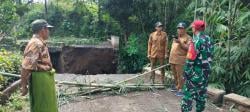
(199, 25)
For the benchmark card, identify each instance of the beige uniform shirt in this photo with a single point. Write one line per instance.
(157, 44)
(177, 53)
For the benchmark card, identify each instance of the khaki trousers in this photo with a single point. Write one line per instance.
(153, 62)
(177, 70)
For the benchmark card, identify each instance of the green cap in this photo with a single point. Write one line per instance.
(158, 24)
(39, 24)
(182, 25)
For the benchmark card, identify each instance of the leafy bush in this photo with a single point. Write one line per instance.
(23, 27)
(233, 76)
(133, 55)
(7, 15)
(16, 103)
(80, 19)
(8, 43)
(10, 63)
(73, 41)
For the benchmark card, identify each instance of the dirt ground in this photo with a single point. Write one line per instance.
(144, 101)
(157, 101)
(87, 59)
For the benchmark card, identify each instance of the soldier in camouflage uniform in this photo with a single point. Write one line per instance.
(197, 71)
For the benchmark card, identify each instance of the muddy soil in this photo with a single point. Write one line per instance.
(85, 60)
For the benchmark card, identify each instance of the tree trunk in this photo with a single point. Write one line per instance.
(2, 35)
(229, 29)
(46, 8)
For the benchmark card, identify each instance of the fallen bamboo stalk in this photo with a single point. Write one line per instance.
(103, 85)
(17, 83)
(142, 74)
(98, 90)
(114, 86)
(10, 74)
(9, 90)
(108, 89)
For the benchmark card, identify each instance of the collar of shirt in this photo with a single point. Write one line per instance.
(199, 34)
(158, 33)
(184, 35)
(43, 41)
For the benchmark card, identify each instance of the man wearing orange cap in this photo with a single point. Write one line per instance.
(197, 70)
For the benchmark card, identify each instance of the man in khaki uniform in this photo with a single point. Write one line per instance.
(157, 49)
(178, 56)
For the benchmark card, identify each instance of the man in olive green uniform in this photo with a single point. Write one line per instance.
(157, 49)
(197, 71)
(178, 56)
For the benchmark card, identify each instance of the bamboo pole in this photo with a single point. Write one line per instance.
(108, 85)
(2, 35)
(108, 89)
(18, 76)
(10, 89)
(10, 74)
(142, 74)
(229, 31)
(98, 90)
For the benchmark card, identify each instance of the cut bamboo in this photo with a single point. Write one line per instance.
(142, 74)
(100, 87)
(10, 74)
(123, 81)
(10, 89)
(103, 85)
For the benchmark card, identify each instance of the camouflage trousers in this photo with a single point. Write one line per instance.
(195, 88)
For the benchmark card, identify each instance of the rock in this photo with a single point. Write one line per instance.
(240, 102)
(215, 95)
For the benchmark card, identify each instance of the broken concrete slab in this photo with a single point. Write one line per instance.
(216, 95)
(240, 102)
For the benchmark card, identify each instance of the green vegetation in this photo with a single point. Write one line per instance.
(16, 103)
(7, 15)
(70, 18)
(92, 21)
(133, 57)
(10, 63)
